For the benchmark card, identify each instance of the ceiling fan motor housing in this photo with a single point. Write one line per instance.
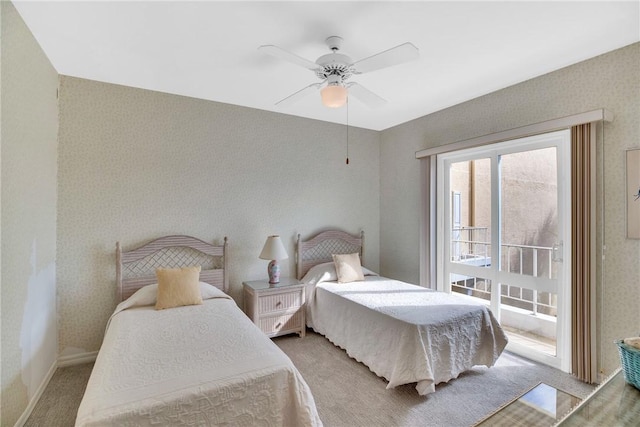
(334, 64)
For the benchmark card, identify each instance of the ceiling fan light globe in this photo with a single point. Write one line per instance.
(334, 96)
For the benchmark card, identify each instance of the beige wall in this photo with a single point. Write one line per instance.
(609, 81)
(135, 165)
(29, 169)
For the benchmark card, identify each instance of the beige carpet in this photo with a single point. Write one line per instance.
(347, 393)
(59, 403)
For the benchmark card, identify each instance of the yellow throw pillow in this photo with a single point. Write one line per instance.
(348, 268)
(178, 287)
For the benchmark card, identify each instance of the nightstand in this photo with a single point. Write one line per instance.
(276, 309)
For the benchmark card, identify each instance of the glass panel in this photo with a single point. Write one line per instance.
(529, 317)
(614, 403)
(470, 184)
(543, 405)
(529, 186)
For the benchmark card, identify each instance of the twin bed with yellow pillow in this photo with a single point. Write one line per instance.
(178, 350)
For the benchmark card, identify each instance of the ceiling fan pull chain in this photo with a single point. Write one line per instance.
(347, 130)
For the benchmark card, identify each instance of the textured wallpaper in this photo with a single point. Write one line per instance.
(609, 81)
(29, 131)
(136, 165)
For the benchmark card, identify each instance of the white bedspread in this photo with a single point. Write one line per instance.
(406, 333)
(199, 365)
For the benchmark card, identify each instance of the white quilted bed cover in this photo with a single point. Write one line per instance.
(406, 333)
(198, 365)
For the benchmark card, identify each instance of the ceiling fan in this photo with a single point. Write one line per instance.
(334, 69)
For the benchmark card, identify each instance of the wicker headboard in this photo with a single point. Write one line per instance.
(319, 248)
(137, 268)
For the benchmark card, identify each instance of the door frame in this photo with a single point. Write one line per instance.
(562, 141)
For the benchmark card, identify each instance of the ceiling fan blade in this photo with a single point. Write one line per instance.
(288, 56)
(365, 95)
(297, 96)
(396, 55)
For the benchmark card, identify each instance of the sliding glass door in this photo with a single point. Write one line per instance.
(502, 223)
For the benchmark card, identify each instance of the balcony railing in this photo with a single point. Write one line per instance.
(469, 243)
(469, 246)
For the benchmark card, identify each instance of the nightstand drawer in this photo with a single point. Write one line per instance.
(277, 309)
(275, 325)
(279, 302)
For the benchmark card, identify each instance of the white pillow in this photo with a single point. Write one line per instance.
(348, 268)
(147, 295)
(320, 273)
(326, 272)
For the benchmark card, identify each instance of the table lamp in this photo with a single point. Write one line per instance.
(274, 250)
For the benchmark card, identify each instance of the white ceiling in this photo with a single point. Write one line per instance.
(208, 49)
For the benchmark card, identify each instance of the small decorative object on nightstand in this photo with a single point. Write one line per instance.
(276, 309)
(274, 250)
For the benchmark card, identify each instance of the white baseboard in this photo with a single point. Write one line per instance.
(36, 397)
(77, 359)
(63, 361)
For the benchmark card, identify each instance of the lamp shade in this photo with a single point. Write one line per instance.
(334, 96)
(273, 249)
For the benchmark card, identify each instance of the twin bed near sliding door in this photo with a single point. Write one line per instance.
(402, 332)
(202, 364)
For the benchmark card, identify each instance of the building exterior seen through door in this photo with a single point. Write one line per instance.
(502, 220)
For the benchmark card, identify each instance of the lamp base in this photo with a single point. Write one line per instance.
(274, 272)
